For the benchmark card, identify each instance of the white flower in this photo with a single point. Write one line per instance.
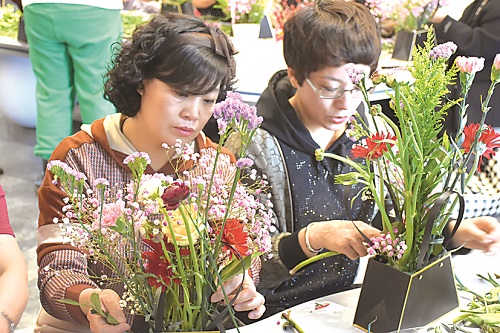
(403, 76)
(151, 188)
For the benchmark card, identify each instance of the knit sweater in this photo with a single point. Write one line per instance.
(97, 151)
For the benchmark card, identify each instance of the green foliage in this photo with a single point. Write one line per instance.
(9, 21)
(254, 15)
(483, 311)
(131, 19)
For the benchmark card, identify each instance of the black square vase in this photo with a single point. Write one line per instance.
(406, 41)
(391, 300)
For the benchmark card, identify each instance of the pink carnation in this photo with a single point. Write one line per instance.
(470, 65)
(110, 213)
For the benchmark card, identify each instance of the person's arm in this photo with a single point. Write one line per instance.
(480, 40)
(480, 233)
(13, 281)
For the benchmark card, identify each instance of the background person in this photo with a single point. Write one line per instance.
(475, 34)
(13, 273)
(69, 48)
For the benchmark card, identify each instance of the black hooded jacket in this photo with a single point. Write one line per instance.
(303, 191)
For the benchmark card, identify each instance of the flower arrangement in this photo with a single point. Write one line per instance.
(406, 14)
(184, 234)
(415, 175)
(282, 11)
(243, 11)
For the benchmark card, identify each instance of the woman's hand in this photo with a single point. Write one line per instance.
(109, 303)
(339, 236)
(248, 299)
(481, 233)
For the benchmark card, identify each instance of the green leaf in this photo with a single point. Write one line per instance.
(120, 226)
(69, 301)
(110, 319)
(235, 267)
(96, 304)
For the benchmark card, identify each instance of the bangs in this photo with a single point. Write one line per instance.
(194, 70)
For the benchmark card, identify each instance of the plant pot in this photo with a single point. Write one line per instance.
(391, 300)
(406, 41)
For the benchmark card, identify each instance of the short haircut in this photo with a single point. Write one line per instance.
(331, 33)
(176, 49)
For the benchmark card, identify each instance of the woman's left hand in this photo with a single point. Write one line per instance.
(248, 299)
(482, 233)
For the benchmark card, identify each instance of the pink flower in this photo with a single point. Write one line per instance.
(470, 65)
(496, 62)
(110, 213)
(495, 70)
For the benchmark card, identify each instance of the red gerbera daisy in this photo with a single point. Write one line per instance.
(234, 234)
(488, 141)
(157, 264)
(375, 146)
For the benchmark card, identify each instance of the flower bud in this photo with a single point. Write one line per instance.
(319, 153)
(495, 69)
(173, 194)
(377, 77)
(375, 109)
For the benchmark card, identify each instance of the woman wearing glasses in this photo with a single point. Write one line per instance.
(305, 107)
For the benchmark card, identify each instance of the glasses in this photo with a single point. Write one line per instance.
(337, 92)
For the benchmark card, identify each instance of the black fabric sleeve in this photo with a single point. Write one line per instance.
(290, 252)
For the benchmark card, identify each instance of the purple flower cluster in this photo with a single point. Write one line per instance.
(443, 51)
(244, 162)
(236, 113)
(356, 73)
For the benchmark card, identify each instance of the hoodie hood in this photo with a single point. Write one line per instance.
(281, 120)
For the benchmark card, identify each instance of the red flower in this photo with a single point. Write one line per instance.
(176, 192)
(376, 145)
(488, 140)
(234, 234)
(157, 264)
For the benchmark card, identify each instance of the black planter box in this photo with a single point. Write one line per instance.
(392, 300)
(406, 41)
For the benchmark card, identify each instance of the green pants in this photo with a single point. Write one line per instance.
(70, 51)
